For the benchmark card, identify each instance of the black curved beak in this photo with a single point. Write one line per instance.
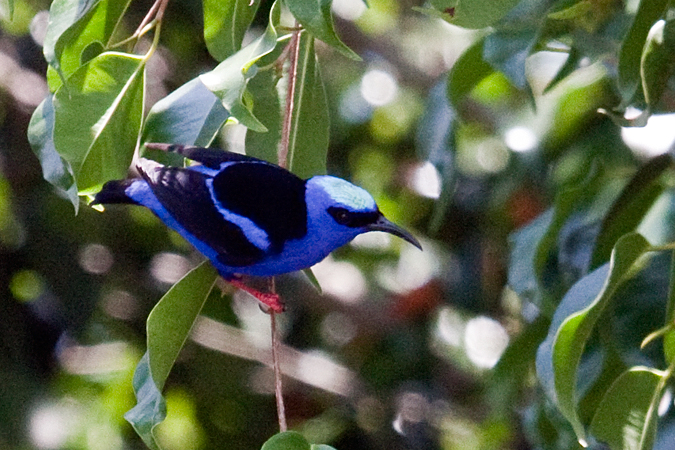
(384, 224)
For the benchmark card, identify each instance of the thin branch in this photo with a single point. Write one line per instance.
(293, 50)
(290, 93)
(278, 386)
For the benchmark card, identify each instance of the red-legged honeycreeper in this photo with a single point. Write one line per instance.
(248, 216)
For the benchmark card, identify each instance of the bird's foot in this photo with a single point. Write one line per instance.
(272, 301)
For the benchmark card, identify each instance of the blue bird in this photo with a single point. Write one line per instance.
(248, 216)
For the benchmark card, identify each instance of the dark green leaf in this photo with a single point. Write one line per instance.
(308, 142)
(669, 336)
(658, 61)
(321, 447)
(469, 70)
(571, 63)
(528, 252)
(315, 16)
(263, 88)
(229, 79)
(225, 23)
(626, 417)
(630, 54)
(507, 51)
(168, 327)
(630, 208)
(98, 118)
(470, 14)
(288, 440)
(533, 246)
(559, 355)
(55, 169)
(190, 115)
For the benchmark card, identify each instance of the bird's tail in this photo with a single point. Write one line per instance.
(114, 191)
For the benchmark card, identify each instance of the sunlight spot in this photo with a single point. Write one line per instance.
(654, 139)
(52, 425)
(520, 139)
(378, 87)
(96, 259)
(169, 267)
(341, 279)
(349, 9)
(426, 180)
(485, 340)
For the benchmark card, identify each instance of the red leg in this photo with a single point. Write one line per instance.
(271, 300)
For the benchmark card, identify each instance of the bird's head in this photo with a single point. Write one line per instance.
(344, 210)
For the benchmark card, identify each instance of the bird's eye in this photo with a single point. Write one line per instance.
(341, 215)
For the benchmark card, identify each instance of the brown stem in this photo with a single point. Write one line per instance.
(290, 94)
(282, 155)
(278, 387)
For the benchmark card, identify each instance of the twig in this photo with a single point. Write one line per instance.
(293, 50)
(290, 93)
(278, 386)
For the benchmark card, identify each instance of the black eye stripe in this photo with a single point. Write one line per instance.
(353, 219)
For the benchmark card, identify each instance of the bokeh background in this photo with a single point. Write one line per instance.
(398, 352)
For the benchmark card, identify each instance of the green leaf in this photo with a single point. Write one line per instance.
(632, 205)
(507, 51)
(55, 169)
(469, 70)
(62, 15)
(321, 447)
(98, 118)
(10, 7)
(190, 115)
(571, 63)
(229, 79)
(532, 246)
(312, 279)
(263, 88)
(627, 415)
(315, 16)
(529, 250)
(630, 55)
(308, 142)
(168, 327)
(78, 31)
(658, 61)
(669, 336)
(472, 13)
(225, 23)
(288, 440)
(559, 355)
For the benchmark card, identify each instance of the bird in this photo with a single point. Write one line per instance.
(250, 217)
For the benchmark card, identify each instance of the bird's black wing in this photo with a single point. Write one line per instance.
(210, 157)
(272, 197)
(186, 196)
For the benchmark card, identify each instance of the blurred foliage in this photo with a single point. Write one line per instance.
(502, 131)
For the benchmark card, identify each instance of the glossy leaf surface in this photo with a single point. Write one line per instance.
(168, 327)
(229, 79)
(97, 119)
(559, 356)
(316, 17)
(55, 169)
(626, 418)
(308, 143)
(225, 23)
